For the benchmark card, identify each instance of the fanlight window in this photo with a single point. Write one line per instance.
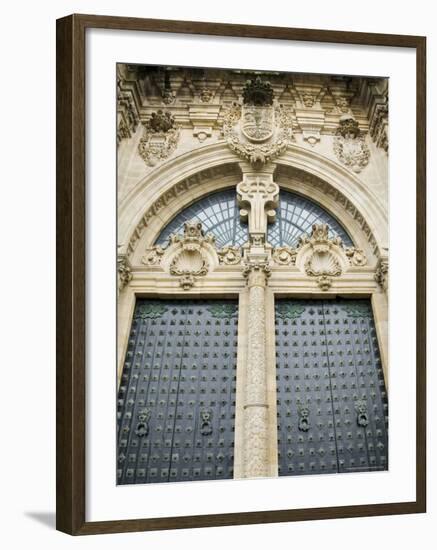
(296, 215)
(219, 215)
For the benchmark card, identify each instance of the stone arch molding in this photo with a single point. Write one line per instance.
(171, 187)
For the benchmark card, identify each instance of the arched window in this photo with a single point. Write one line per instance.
(219, 215)
(295, 216)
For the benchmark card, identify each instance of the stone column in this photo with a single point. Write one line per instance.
(256, 437)
(258, 198)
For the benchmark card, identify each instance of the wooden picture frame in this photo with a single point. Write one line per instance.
(71, 253)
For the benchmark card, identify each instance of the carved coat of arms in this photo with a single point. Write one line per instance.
(350, 146)
(258, 129)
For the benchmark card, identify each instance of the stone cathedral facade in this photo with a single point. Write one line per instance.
(252, 274)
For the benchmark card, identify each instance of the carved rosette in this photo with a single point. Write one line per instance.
(349, 144)
(284, 255)
(190, 261)
(229, 255)
(381, 273)
(255, 405)
(153, 256)
(160, 138)
(356, 256)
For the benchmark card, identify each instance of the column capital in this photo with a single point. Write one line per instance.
(257, 274)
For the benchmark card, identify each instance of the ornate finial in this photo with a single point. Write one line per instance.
(258, 93)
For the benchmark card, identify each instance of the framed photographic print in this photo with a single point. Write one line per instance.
(241, 274)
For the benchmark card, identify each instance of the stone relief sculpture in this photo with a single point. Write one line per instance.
(349, 144)
(322, 262)
(229, 255)
(259, 129)
(160, 138)
(190, 261)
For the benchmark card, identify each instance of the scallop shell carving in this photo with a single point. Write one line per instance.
(189, 262)
(322, 264)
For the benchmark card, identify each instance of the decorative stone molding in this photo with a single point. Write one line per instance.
(381, 273)
(349, 144)
(356, 256)
(128, 116)
(172, 195)
(378, 129)
(322, 261)
(257, 130)
(153, 256)
(284, 255)
(124, 272)
(286, 173)
(160, 138)
(311, 123)
(229, 255)
(257, 197)
(190, 261)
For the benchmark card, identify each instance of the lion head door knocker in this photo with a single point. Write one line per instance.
(142, 428)
(362, 415)
(304, 421)
(205, 422)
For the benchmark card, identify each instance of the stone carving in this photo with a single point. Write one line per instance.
(381, 273)
(124, 272)
(257, 92)
(322, 263)
(229, 255)
(308, 100)
(342, 103)
(127, 112)
(190, 262)
(257, 133)
(160, 138)
(257, 197)
(168, 97)
(356, 256)
(284, 255)
(378, 129)
(349, 144)
(256, 408)
(153, 256)
(206, 95)
(172, 195)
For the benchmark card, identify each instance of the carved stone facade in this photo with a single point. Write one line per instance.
(185, 134)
